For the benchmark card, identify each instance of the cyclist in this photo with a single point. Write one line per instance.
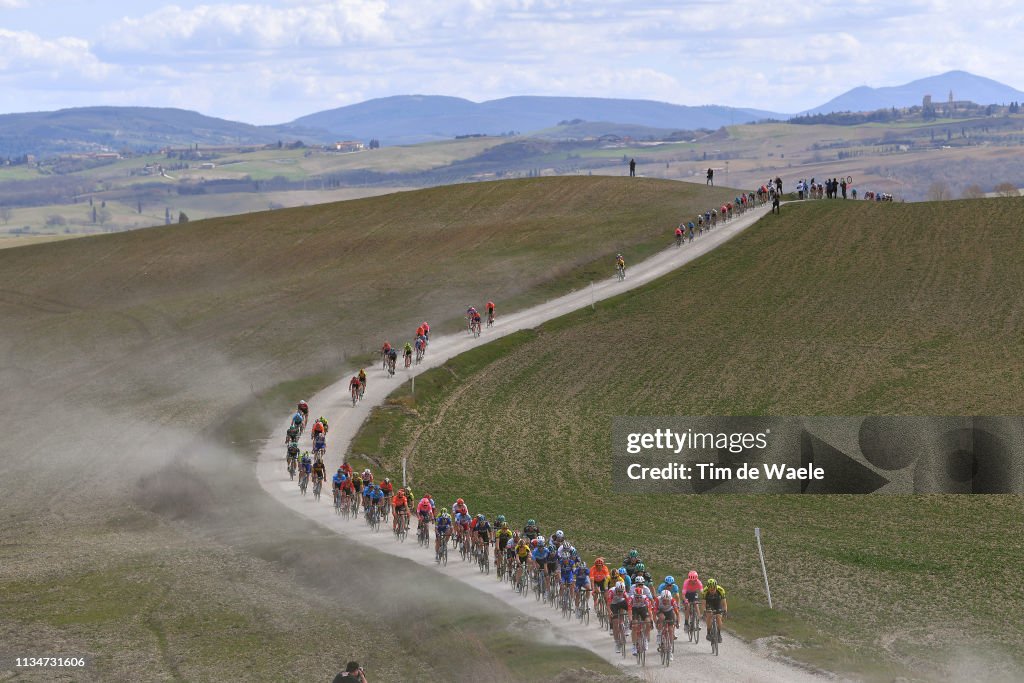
(408, 354)
(442, 530)
(401, 506)
(620, 263)
(306, 464)
(462, 523)
(337, 482)
(490, 312)
(425, 510)
(531, 530)
(566, 565)
(353, 387)
(323, 420)
(392, 360)
(600, 577)
(640, 570)
(692, 589)
(557, 540)
(482, 533)
(298, 421)
(679, 234)
(714, 599)
(502, 538)
(426, 331)
(700, 224)
(388, 489)
(376, 497)
(293, 455)
(581, 580)
(362, 382)
(460, 507)
(619, 602)
(622, 576)
(419, 332)
(318, 428)
(476, 321)
(385, 350)
(303, 408)
(421, 345)
(319, 471)
(522, 553)
(632, 559)
(292, 433)
(367, 477)
(669, 584)
(689, 226)
(640, 614)
(667, 612)
(642, 585)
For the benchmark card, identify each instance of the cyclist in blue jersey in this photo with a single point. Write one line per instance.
(669, 584)
(442, 529)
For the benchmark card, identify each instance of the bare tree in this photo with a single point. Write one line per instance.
(973, 192)
(939, 191)
(103, 216)
(1007, 190)
(5, 214)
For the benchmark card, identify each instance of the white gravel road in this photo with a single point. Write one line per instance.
(737, 662)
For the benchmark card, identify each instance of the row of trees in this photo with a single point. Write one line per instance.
(939, 191)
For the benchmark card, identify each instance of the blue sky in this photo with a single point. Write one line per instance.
(270, 61)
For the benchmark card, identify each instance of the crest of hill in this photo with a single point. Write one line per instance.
(419, 118)
(85, 129)
(965, 86)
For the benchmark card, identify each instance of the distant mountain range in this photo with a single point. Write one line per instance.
(419, 118)
(407, 119)
(964, 86)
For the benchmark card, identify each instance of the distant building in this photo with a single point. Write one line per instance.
(207, 165)
(347, 146)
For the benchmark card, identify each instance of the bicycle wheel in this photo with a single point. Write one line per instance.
(713, 636)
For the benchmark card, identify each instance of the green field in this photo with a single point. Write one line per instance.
(161, 357)
(830, 309)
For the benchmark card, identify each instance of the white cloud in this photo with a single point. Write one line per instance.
(25, 56)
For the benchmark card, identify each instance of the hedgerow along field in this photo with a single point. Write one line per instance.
(832, 308)
(131, 344)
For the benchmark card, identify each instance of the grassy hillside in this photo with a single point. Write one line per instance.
(155, 359)
(832, 308)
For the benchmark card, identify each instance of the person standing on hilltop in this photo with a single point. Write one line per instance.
(632, 168)
(711, 177)
(778, 184)
(842, 186)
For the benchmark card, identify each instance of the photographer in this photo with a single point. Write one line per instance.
(353, 673)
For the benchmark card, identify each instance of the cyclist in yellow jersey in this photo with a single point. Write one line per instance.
(714, 600)
(362, 381)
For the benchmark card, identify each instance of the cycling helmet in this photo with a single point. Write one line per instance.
(712, 583)
(303, 404)
(639, 581)
(692, 575)
(540, 540)
(340, 470)
(572, 551)
(599, 562)
(460, 502)
(618, 256)
(560, 534)
(504, 525)
(666, 595)
(444, 513)
(640, 566)
(501, 519)
(481, 518)
(533, 543)
(386, 480)
(531, 522)
(670, 579)
(620, 587)
(634, 553)
(622, 571)
(297, 418)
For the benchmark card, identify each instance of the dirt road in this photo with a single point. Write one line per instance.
(737, 662)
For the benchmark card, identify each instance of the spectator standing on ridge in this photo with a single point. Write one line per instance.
(353, 673)
(711, 177)
(778, 184)
(632, 168)
(842, 185)
(776, 207)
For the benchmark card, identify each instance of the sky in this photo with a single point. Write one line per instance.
(271, 61)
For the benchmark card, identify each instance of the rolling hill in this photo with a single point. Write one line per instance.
(832, 308)
(417, 118)
(158, 356)
(965, 86)
(86, 129)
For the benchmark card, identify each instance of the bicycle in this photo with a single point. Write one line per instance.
(402, 527)
(291, 468)
(441, 554)
(602, 612)
(693, 622)
(679, 240)
(484, 560)
(303, 481)
(391, 366)
(318, 485)
(714, 635)
(419, 354)
(620, 273)
(423, 533)
(490, 320)
(667, 646)
(475, 327)
(619, 633)
(641, 647)
(355, 396)
(583, 608)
